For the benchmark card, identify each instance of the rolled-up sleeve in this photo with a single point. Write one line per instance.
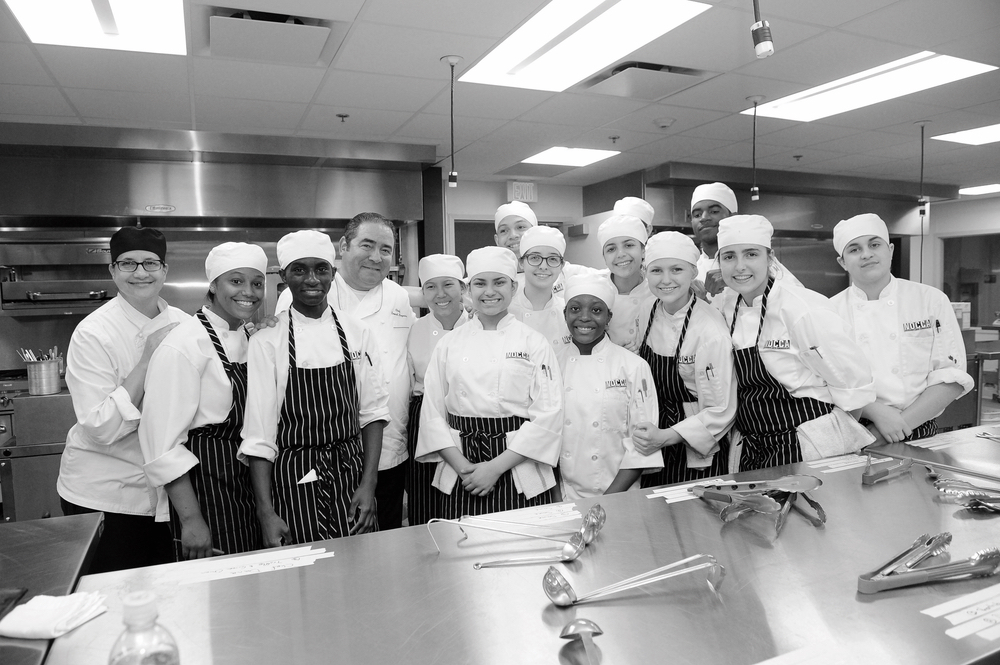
(434, 433)
(103, 407)
(373, 398)
(173, 392)
(643, 407)
(540, 438)
(715, 383)
(948, 357)
(828, 350)
(260, 422)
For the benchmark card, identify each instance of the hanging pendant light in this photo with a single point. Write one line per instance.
(452, 60)
(923, 200)
(754, 190)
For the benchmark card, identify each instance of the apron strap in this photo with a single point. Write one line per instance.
(763, 310)
(684, 328)
(216, 342)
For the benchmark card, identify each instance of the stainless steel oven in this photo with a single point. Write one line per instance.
(44, 278)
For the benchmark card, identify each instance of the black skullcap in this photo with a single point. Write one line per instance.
(129, 238)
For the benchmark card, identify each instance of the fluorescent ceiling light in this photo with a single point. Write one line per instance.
(570, 156)
(151, 26)
(979, 136)
(895, 79)
(980, 190)
(568, 40)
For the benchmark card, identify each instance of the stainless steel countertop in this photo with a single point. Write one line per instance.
(967, 452)
(390, 597)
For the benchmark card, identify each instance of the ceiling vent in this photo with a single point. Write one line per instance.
(266, 36)
(645, 81)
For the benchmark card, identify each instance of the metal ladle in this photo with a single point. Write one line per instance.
(584, 630)
(561, 592)
(593, 522)
(569, 552)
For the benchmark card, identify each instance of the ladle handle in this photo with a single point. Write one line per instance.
(513, 562)
(588, 648)
(600, 593)
(648, 573)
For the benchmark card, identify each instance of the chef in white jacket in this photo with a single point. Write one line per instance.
(535, 304)
(492, 412)
(608, 391)
(907, 331)
(361, 288)
(622, 239)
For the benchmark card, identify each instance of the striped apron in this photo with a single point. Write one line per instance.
(220, 481)
(422, 500)
(482, 440)
(318, 430)
(671, 395)
(767, 415)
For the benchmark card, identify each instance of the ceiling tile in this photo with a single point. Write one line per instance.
(739, 127)
(845, 163)
(483, 19)
(142, 107)
(601, 139)
(609, 168)
(945, 123)
(729, 92)
(375, 91)
(362, 122)
(247, 112)
(437, 127)
(926, 23)
(487, 101)
(864, 142)
(821, 12)
(989, 109)
(342, 10)
(487, 157)
(807, 157)
(982, 46)
(33, 99)
(101, 69)
(412, 53)
(673, 148)
(645, 119)
(807, 134)
(584, 110)
(886, 114)
(540, 135)
(21, 66)
(10, 29)
(740, 154)
(255, 80)
(961, 94)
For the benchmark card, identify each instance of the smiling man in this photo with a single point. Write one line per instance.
(907, 331)
(710, 204)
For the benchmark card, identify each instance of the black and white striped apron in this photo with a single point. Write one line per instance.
(318, 430)
(482, 440)
(221, 482)
(671, 395)
(767, 415)
(423, 502)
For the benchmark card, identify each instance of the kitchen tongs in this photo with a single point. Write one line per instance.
(764, 496)
(901, 570)
(869, 477)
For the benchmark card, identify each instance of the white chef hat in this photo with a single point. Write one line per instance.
(672, 245)
(517, 209)
(492, 259)
(232, 255)
(543, 236)
(305, 244)
(714, 191)
(745, 230)
(616, 226)
(598, 286)
(440, 265)
(846, 230)
(633, 205)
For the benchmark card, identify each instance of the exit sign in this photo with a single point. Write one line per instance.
(522, 191)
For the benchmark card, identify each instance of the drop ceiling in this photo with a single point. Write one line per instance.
(387, 78)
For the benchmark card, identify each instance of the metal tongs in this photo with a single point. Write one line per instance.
(970, 496)
(901, 570)
(870, 477)
(764, 496)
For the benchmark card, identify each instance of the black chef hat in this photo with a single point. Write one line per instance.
(130, 238)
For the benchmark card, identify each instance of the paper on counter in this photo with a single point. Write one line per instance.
(973, 614)
(676, 493)
(844, 462)
(552, 513)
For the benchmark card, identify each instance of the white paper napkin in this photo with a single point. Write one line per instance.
(48, 617)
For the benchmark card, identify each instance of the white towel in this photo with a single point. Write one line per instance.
(48, 617)
(531, 478)
(836, 433)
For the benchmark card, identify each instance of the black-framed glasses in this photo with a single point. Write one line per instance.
(149, 265)
(536, 260)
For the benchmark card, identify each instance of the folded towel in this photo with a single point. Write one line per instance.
(48, 617)
(836, 433)
(531, 478)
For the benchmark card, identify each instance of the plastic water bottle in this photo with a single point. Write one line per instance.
(144, 641)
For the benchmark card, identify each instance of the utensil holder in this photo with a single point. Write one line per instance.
(43, 377)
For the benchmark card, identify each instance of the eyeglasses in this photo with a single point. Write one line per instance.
(149, 265)
(536, 260)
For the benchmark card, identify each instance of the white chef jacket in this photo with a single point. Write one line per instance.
(317, 345)
(550, 320)
(568, 270)
(425, 333)
(510, 371)
(806, 346)
(386, 311)
(101, 466)
(186, 388)
(604, 401)
(726, 299)
(627, 311)
(705, 365)
(910, 337)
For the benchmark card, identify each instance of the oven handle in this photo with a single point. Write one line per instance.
(80, 295)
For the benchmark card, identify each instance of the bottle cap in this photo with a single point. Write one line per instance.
(139, 608)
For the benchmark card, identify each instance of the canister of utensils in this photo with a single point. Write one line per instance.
(43, 377)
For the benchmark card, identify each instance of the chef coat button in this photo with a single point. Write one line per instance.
(593, 457)
(597, 390)
(569, 422)
(600, 360)
(635, 301)
(463, 393)
(631, 331)
(572, 360)
(493, 360)
(501, 332)
(596, 424)
(492, 393)
(890, 302)
(895, 370)
(465, 360)
(527, 315)
(569, 388)
(892, 335)
(434, 332)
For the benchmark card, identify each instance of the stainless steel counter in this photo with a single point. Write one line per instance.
(390, 597)
(961, 448)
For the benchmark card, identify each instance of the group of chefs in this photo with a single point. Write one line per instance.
(530, 379)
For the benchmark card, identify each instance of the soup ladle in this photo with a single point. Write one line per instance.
(593, 522)
(584, 630)
(569, 552)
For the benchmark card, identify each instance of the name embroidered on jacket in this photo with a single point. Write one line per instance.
(685, 360)
(355, 355)
(522, 355)
(777, 344)
(616, 383)
(923, 324)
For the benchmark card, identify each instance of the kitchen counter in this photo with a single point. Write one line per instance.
(961, 448)
(391, 597)
(45, 557)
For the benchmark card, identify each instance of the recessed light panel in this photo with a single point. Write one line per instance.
(978, 136)
(568, 40)
(980, 190)
(570, 156)
(151, 26)
(901, 77)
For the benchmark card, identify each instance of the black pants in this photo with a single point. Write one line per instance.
(389, 497)
(127, 541)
